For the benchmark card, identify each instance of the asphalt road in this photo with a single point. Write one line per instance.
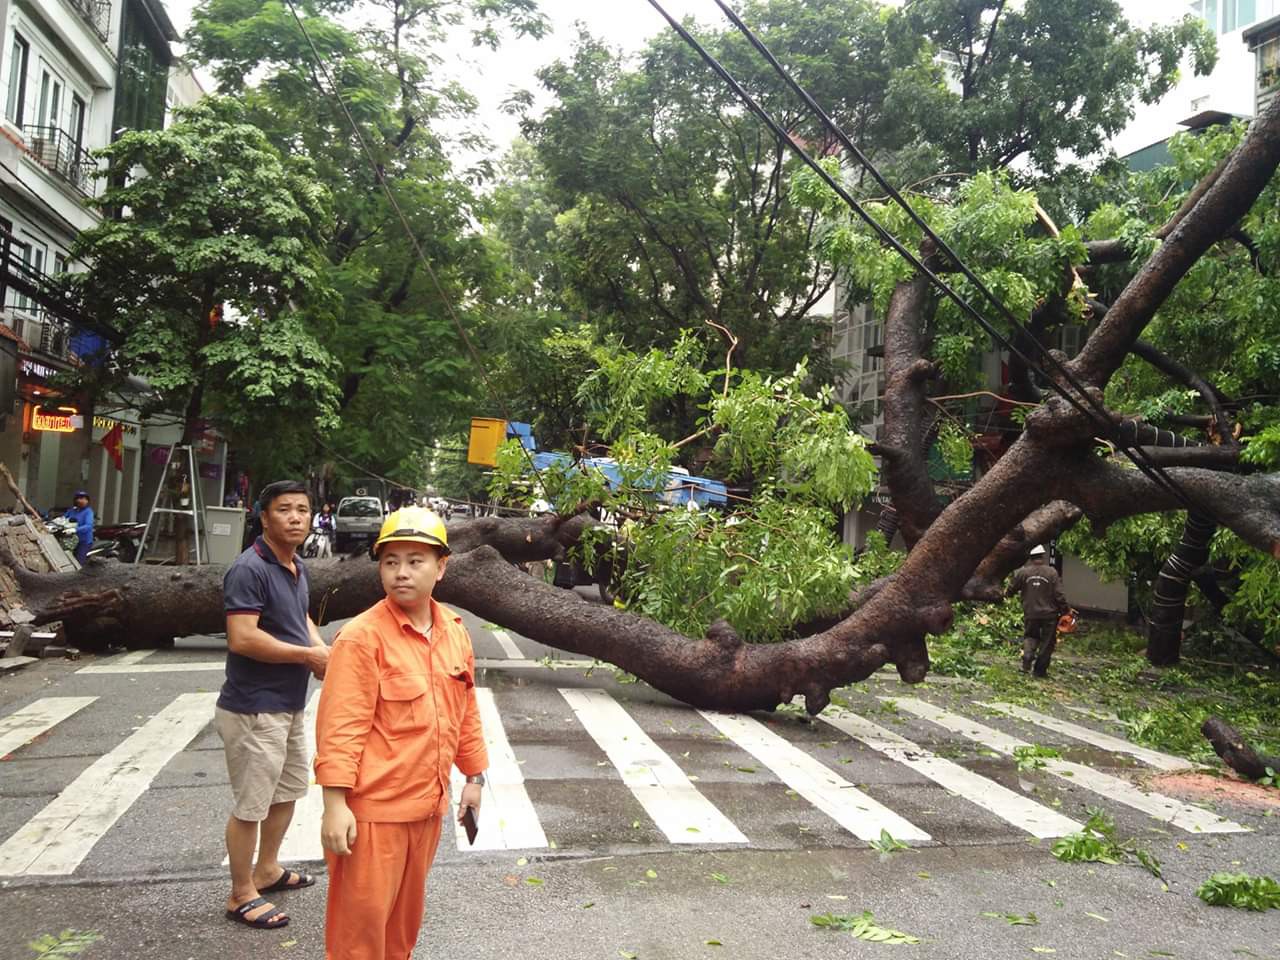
(630, 825)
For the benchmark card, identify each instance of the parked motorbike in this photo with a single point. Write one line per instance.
(126, 536)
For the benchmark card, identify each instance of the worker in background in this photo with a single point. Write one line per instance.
(1042, 603)
(82, 514)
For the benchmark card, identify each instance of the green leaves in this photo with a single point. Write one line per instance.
(1032, 757)
(862, 926)
(886, 843)
(1240, 890)
(1014, 919)
(1096, 843)
(68, 943)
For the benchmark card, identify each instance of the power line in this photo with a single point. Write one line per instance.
(1101, 417)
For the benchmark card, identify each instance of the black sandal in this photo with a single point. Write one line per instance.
(282, 882)
(272, 920)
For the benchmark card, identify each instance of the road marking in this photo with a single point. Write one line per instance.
(526, 664)
(833, 795)
(1158, 806)
(507, 818)
(58, 838)
(1154, 758)
(125, 663)
(23, 726)
(508, 645)
(178, 666)
(669, 798)
(1008, 805)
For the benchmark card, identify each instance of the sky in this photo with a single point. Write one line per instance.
(492, 76)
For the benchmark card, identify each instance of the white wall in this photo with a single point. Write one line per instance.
(1229, 88)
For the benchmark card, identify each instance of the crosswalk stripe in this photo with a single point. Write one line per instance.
(1022, 812)
(301, 843)
(23, 726)
(833, 795)
(508, 645)
(58, 838)
(302, 840)
(668, 796)
(507, 818)
(1165, 809)
(175, 666)
(1154, 758)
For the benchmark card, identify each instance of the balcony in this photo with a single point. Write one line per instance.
(42, 332)
(96, 13)
(55, 150)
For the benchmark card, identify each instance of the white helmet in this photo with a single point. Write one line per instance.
(1037, 550)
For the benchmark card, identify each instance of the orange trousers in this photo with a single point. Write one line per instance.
(376, 893)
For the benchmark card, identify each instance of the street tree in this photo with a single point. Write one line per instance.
(393, 331)
(206, 262)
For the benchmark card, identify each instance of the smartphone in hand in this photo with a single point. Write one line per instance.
(469, 824)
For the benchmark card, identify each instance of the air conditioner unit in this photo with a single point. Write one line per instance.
(45, 150)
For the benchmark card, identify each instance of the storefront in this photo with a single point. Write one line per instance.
(115, 466)
(44, 443)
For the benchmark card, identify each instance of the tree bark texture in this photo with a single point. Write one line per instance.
(1235, 753)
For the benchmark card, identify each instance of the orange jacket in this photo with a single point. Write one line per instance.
(396, 712)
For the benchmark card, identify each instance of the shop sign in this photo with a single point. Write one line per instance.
(32, 368)
(61, 420)
(106, 423)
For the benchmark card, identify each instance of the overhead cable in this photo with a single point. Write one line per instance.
(1098, 417)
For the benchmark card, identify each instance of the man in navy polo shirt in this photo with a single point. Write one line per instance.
(273, 649)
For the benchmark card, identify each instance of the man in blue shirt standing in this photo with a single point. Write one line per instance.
(82, 515)
(273, 649)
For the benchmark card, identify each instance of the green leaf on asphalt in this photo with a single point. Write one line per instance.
(719, 877)
(533, 881)
(588, 905)
(887, 843)
(1240, 890)
(713, 943)
(66, 944)
(651, 874)
(627, 955)
(862, 926)
(1013, 919)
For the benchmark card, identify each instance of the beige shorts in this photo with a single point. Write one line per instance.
(266, 759)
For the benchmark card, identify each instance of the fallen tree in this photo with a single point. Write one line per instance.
(1050, 476)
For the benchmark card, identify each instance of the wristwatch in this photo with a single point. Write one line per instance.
(476, 778)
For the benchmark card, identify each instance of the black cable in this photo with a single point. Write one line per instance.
(1102, 417)
(1152, 470)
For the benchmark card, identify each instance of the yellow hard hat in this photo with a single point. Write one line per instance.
(413, 525)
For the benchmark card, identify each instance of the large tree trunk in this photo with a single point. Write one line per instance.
(1049, 477)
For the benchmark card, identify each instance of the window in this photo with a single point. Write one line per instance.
(19, 54)
(50, 98)
(143, 79)
(1236, 14)
(33, 256)
(76, 128)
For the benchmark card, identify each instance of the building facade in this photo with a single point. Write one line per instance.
(74, 75)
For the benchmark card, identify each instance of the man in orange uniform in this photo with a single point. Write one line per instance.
(398, 710)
